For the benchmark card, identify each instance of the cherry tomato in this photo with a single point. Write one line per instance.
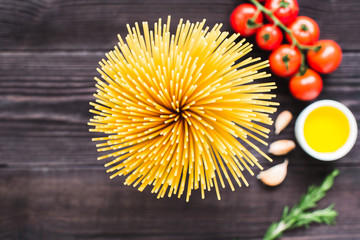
(306, 87)
(240, 19)
(269, 37)
(285, 10)
(285, 60)
(305, 30)
(326, 57)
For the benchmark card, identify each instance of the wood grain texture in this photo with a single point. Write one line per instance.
(44, 104)
(52, 187)
(94, 208)
(93, 24)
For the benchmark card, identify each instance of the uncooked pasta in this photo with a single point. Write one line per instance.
(181, 111)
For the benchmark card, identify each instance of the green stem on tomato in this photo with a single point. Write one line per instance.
(303, 66)
(258, 11)
(251, 23)
(295, 42)
(277, 22)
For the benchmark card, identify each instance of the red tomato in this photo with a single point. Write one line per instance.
(285, 10)
(305, 30)
(306, 87)
(326, 58)
(240, 17)
(269, 37)
(285, 60)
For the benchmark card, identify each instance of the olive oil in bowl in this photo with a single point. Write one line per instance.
(326, 130)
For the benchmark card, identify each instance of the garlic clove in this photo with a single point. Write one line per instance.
(274, 175)
(281, 147)
(282, 121)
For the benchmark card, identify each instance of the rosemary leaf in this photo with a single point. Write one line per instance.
(300, 215)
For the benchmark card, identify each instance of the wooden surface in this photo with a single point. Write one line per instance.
(52, 187)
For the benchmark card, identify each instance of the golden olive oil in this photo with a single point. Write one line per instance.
(326, 129)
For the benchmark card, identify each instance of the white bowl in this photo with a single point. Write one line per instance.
(342, 151)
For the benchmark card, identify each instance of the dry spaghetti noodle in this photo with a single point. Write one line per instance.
(177, 110)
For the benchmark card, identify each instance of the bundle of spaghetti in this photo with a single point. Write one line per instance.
(177, 110)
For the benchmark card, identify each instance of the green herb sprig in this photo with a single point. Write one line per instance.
(299, 215)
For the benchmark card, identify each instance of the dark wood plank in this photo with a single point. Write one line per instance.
(82, 24)
(52, 187)
(82, 203)
(44, 106)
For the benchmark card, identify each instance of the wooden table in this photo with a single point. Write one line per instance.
(52, 187)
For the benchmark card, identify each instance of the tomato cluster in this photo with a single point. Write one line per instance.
(302, 34)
